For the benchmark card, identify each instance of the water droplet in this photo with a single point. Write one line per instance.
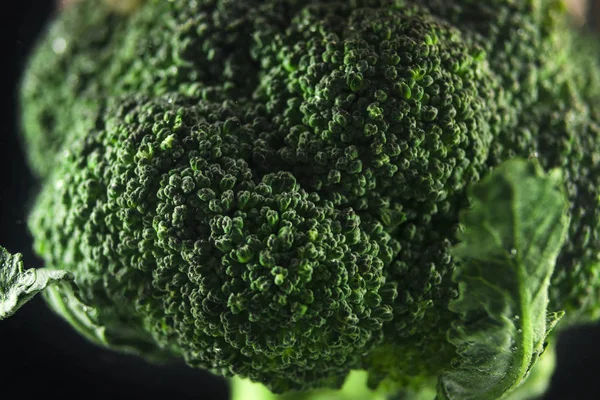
(59, 45)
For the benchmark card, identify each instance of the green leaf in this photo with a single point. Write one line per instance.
(104, 326)
(512, 235)
(18, 286)
(539, 378)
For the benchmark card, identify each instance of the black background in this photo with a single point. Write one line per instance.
(41, 355)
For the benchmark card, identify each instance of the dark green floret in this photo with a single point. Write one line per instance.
(165, 194)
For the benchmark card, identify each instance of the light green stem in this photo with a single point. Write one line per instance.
(354, 388)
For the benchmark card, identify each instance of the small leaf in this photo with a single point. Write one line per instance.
(18, 286)
(512, 236)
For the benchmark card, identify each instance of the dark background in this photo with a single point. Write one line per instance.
(41, 355)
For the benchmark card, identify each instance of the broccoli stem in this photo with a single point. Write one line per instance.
(354, 388)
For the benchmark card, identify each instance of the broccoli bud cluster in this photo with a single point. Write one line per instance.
(271, 189)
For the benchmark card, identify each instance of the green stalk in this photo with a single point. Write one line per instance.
(355, 388)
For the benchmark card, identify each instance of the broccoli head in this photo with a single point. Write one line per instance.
(291, 190)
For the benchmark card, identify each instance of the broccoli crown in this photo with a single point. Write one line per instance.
(272, 188)
(239, 271)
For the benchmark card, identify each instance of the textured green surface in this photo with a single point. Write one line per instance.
(272, 188)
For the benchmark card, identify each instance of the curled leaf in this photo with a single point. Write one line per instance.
(18, 286)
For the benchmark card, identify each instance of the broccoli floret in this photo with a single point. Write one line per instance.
(392, 112)
(550, 74)
(92, 52)
(63, 73)
(168, 186)
(276, 189)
